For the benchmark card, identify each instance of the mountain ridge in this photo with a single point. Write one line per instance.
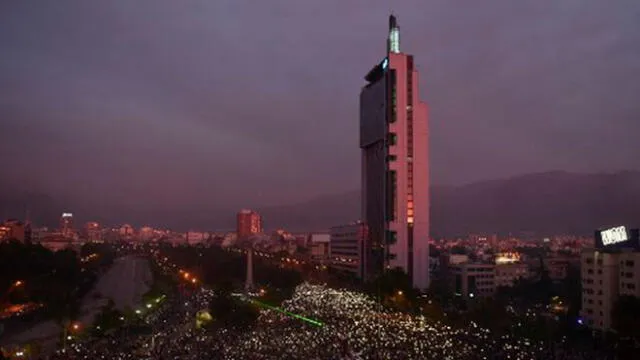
(552, 202)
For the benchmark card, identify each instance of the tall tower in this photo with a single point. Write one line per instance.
(66, 224)
(249, 223)
(248, 284)
(395, 166)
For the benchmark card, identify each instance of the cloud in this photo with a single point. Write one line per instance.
(244, 102)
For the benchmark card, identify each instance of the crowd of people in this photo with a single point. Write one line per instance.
(356, 327)
(346, 325)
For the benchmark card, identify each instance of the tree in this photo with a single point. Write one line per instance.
(232, 313)
(393, 288)
(439, 289)
(107, 319)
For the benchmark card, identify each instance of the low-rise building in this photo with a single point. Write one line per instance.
(346, 248)
(506, 274)
(473, 279)
(93, 232)
(12, 230)
(319, 247)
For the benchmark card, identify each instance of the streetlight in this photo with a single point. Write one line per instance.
(18, 283)
(400, 292)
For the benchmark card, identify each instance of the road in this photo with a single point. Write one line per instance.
(125, 282)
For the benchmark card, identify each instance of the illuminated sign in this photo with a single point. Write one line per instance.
(614, 235)
(67, 215)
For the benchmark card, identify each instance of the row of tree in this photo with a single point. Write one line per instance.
(57, 280)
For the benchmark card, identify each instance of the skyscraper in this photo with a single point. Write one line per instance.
(92, 231)
(66, 224)
(249, 223)
(395, 166)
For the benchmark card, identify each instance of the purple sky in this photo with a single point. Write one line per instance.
(250, 103)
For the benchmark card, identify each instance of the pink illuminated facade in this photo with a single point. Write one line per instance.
(395, 166)
(249, 223)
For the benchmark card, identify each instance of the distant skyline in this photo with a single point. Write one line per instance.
(233, 104)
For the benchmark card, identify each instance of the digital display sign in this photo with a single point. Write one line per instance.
(614, 235)
(617, 237)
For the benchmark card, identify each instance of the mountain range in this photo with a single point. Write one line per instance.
(543, 203)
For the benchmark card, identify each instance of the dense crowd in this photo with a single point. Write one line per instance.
(354, 326)
(349, 325)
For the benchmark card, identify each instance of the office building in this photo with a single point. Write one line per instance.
(507, 274)
(13, 230)
(249, 223)
(473, 279)
(609, 270)
(92, 231)
(395, 166)
(318, 245)
(66, 225)
(126, 232)
(346, 248)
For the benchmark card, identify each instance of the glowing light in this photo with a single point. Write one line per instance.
(394, 40)
(614, 235)
(296, 316)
